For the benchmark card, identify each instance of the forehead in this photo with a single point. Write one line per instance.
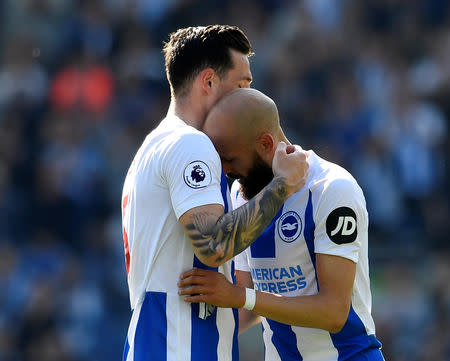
(241, 66)
(227, 140)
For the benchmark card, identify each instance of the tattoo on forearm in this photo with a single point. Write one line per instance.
(235, 231)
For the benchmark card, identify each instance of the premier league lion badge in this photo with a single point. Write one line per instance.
(197, 174)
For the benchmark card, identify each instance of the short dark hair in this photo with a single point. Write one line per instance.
(192, 49)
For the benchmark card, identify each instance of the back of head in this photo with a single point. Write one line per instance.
(193, 49)
(247, 111)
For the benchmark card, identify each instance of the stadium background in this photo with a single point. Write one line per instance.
(364, 83)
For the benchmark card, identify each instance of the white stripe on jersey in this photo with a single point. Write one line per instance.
(315, 344)
(225, 345)
(182, 335)
(271, 352)
(132, 331)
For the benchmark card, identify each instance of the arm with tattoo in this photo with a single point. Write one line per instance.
(218, 237)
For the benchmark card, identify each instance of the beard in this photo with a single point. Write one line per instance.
(258, 177)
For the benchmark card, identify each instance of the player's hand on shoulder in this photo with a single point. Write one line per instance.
(200, 285)
(290, 162)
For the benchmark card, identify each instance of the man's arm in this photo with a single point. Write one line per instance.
(328, 309)
(246, 318)
(217, 237)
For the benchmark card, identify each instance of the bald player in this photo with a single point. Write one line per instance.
(307, 275)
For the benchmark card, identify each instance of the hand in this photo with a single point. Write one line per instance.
(200, 285)
(290, 162)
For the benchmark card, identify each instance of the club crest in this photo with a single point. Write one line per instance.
(289, 226)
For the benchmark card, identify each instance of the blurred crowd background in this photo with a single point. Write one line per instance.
(366, 84)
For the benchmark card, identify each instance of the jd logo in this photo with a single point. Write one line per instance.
(342, 225)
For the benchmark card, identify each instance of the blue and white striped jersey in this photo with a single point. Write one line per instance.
(175, 169)
(328, 215)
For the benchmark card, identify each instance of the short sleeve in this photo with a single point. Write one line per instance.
(341, 220)
(192, 171)
(241, 262)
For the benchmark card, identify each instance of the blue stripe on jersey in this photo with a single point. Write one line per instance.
(285, 341)
(233, 276)
(150, 340)
(224, 189)
(235, 353)
(353, 338)
(194, 306)
(125, 350)
(205, 336)
(309, 233)
(372, 354)
(264, 246)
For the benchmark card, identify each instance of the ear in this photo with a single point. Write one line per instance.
(207, 79)
(265, 147)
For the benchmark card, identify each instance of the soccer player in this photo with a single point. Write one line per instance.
(174, 201)
(307, 274)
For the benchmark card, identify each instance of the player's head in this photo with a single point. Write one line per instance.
(245, 129)
(214, 57)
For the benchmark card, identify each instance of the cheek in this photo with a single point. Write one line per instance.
(243, 168)
(229, 86)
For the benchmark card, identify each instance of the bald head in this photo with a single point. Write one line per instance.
(245, 129)
(245, 112)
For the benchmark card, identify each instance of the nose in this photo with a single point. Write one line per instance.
(229, 170)
(226, 166)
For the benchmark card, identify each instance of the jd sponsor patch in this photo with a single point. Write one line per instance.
(342, 225)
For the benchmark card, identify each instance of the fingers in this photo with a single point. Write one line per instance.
(193, 290)
(196, 299)
(284, 148)
(193, 285)
(195, 272)
(290, 149)
(281, 147)
(192, 280)
(290, 163)
(200, 285)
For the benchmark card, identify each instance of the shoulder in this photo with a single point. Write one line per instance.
(177, 139)
(342, 186)
(335, 190)
(187, 137)
(331, 178)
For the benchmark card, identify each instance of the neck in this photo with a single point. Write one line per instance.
(188, 111)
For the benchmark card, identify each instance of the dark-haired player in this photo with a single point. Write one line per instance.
(174, 201)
